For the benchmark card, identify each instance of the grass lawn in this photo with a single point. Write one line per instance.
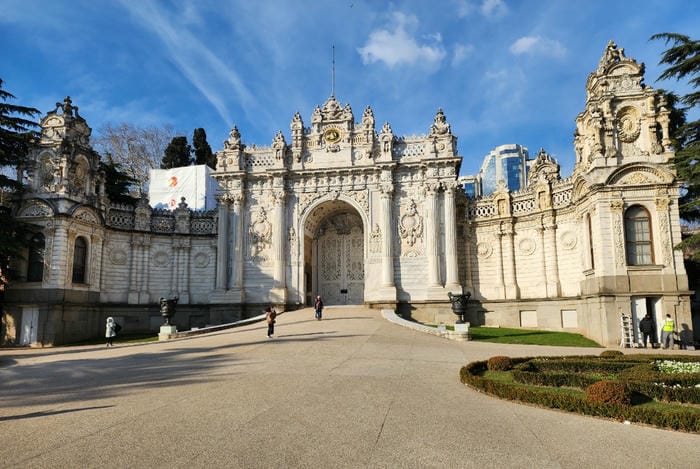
(503, 335)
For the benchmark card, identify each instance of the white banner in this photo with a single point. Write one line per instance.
(194, 183)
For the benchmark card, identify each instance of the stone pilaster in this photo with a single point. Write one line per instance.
(222, 244)
(451, 268)
(388, 287)
(238, 234)
(499, 288)
(431, 242)
(508, 253)
(278, 294)
(551, 259)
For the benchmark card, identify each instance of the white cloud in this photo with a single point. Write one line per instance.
(537, 45)
(493, 8)
(399, 47)
(461, 52)
(464, 8)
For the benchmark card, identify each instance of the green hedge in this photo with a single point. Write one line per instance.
(676, 419)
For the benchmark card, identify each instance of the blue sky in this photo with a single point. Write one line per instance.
(503, 71)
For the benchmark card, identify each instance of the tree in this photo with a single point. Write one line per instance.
(136, 150)
(16, 134)
(17, 131)
(202, 150)
(118, 183)
(683, 60)
(177, 154)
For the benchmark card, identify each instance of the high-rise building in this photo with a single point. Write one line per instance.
(506, 162)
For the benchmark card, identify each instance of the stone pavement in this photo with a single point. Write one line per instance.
(353, 390)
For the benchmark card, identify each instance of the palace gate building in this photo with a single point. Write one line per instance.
(344, 208)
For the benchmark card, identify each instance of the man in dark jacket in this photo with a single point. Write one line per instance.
(646, 327)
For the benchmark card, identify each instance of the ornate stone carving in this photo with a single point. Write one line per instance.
(440, 125)
(483, 250)
(568, 239)
(375, 240)
(201, 260)
(87, 216)
(35, 209)
(161, 258)
(260, 236)
(117, 255)
(628, 125)
(527, 246)
(411, 225)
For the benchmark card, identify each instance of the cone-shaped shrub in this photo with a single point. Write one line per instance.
(611, 392)
(500, 363)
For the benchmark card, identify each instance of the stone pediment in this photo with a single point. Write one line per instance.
(86, 215)
(35, 209)
(640, 175)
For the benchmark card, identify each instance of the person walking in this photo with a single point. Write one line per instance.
(646, 327)
(270, 317)
(318, 307)
(110, 331)
(667, 332)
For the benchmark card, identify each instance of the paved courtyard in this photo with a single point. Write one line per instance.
(353, 390)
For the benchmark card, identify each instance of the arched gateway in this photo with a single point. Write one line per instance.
(334, 261)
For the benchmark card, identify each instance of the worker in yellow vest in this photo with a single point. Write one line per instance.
(667, 332)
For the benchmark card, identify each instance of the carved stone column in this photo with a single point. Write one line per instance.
(238, 234)
(144, 291)
(469, 250)
(543, 259)
(431, 242)
(222, 244)
(551, 260)
(499, 288)
(662, 214)
(279, 230)
(616, 208)
(451, 268)
(388, 239)
(185, 271)
(509, 274)
(135, 269)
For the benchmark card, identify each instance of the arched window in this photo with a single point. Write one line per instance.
(638, 236)
(35, 260)
(79, 260)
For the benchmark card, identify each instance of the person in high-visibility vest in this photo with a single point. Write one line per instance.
(667, 331)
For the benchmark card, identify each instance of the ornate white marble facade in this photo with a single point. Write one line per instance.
(364, 216)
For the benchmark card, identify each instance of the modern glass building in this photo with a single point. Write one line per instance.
(508, 163)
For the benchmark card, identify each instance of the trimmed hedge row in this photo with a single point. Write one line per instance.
(677, 419)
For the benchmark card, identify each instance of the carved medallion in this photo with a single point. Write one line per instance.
(527, 246)
(161, 259)
(568, 240)
(118, 256)
(201, 259)
(483, 250)
(628, 127)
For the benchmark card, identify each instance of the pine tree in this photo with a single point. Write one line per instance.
(177, 154)
(118, 184)
(683, 59)
(17, 131)
(202, 150)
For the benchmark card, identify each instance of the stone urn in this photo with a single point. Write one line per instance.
(459, 304)
(167, 309)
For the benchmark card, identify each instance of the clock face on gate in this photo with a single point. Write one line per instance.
(332, 135)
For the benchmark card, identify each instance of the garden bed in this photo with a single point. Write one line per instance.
(663, 391)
